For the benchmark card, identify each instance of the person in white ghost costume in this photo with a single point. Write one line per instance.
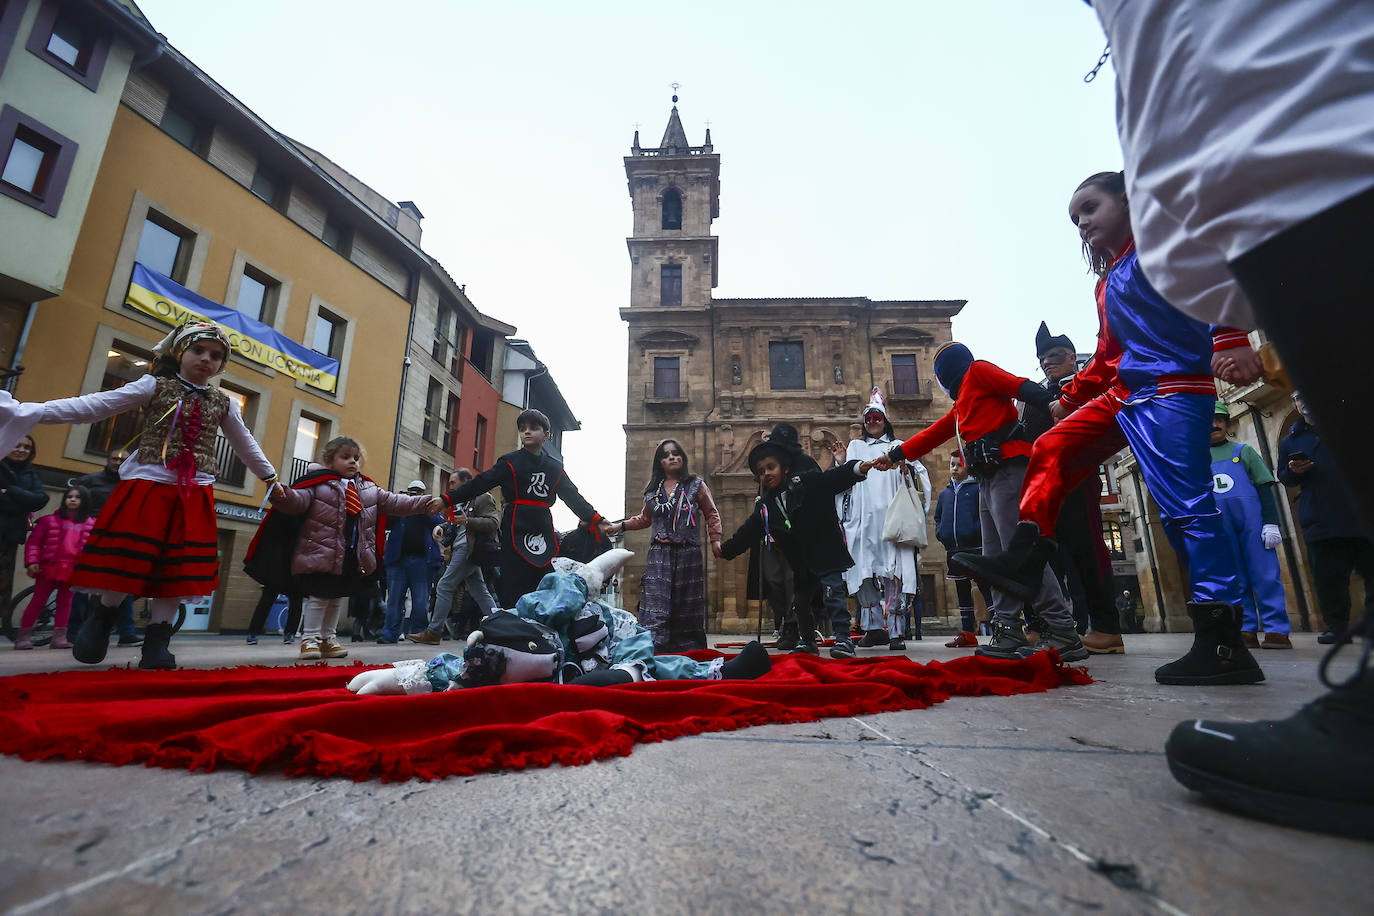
(884, 577)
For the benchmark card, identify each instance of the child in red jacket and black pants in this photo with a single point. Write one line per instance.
(996, 450)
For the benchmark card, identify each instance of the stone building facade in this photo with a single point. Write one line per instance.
(717, 374)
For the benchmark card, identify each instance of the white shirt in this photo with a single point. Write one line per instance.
(863, 520)
(1237, 119)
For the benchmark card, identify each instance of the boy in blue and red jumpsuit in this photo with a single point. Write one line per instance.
(1148, 385)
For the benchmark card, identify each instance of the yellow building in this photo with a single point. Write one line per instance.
(195, 187)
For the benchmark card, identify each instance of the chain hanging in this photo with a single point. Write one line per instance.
(1101, 62)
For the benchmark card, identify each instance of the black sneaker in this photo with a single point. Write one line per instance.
(787, 641)
(805, 648)
(1007, 642)
(874, 638)
(130, 642)
(1328, 637)
(898, 643)
(251, 640)
(843, 648)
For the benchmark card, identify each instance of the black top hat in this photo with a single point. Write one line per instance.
(1045, 341)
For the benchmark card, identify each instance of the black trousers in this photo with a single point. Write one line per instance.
(264, 607)
(517, 578)
(1078, 555)
(1333, 560)
(1310, 288)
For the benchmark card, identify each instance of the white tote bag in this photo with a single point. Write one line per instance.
(905, 522)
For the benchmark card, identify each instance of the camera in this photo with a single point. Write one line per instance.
(450, 534)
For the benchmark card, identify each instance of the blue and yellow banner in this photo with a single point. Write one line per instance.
(171, 303)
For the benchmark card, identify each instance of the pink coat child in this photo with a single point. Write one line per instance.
(50, 554)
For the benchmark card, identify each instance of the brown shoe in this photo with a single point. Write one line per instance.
(330, 648)
(965, 640)
(310, 649)
(1249, 640)
(426, 638)
(1276, 641)
(1104, 643)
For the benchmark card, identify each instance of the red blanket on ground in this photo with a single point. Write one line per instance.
(303, 718)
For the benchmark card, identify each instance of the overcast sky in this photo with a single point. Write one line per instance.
(912, 150)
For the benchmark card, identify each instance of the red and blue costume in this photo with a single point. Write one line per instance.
(1148, 385)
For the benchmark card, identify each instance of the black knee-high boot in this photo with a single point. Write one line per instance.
(93, 639)
(155, 654)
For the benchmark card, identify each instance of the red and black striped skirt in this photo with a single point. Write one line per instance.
(152, 542)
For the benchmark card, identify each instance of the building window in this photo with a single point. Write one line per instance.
(229, 469)
(181, 127)
(1116, 544)
(11, 11)
(164, 247)
(71, 42)
(904, 374)
(328, 334)
(336, 235)
(483, 351)
(123, 364)
(37, 161)
(257, 296)
(434, 424)
(786, 365)
(479, 442)
(427, 474)
(670, 285)
(450, 423)
(309, 438)
(446, 350)
(667, 381)
(672, 209)
(268, 187)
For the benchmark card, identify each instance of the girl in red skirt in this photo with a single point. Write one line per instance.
(156, 536)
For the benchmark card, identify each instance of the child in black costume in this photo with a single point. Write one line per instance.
(796, 514)
(530, 481)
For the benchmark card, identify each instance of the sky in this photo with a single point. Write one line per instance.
(911, 150)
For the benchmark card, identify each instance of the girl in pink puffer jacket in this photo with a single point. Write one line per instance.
(337, 548)
(50, 555)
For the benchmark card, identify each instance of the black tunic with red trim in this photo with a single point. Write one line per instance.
(529, 482)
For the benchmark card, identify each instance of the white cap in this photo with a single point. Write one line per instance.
(417, 485)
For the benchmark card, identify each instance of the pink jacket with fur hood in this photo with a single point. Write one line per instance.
(320, 548)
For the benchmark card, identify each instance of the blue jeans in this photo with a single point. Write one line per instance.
(460, 572)
(406, 574)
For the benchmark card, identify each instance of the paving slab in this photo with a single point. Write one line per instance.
(1056, 802)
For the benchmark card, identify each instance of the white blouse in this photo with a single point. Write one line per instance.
(90, 408)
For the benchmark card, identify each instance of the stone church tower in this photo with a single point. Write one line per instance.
(716, 374)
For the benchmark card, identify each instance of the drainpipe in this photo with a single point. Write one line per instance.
(1289, 548)
(405, 375)
(16, 362)
(1150, 548)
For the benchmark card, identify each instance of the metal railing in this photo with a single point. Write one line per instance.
(665, 394)
(298, 467)
(228, 468)
(919, 388)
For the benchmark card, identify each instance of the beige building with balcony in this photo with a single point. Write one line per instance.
(717, 374)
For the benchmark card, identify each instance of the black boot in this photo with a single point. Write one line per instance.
(93, 639)
(1301, 771)
(155, 654)
(787, 641)
(873, 638)
(1218, 656)
(1019, 569)
(752, 662)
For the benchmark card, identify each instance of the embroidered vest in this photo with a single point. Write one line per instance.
(162, 414)
(676, 519)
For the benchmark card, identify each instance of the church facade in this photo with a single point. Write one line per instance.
(717, 374)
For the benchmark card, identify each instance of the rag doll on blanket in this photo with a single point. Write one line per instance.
(563, 633)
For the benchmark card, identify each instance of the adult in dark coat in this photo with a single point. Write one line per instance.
(1082, 557)
(21, 495)
(1336, 542)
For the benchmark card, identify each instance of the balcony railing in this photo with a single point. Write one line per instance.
(665, 395)
(228, 468)
(909, 389)
(298, 468)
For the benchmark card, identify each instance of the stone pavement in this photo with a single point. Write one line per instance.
(1057, 802)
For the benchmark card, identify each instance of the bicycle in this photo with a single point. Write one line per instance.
(42, 627)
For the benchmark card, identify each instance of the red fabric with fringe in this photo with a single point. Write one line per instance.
(303, 719)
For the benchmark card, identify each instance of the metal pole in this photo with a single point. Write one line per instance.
(1150, 548)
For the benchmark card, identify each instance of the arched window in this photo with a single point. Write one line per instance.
(672, 209)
